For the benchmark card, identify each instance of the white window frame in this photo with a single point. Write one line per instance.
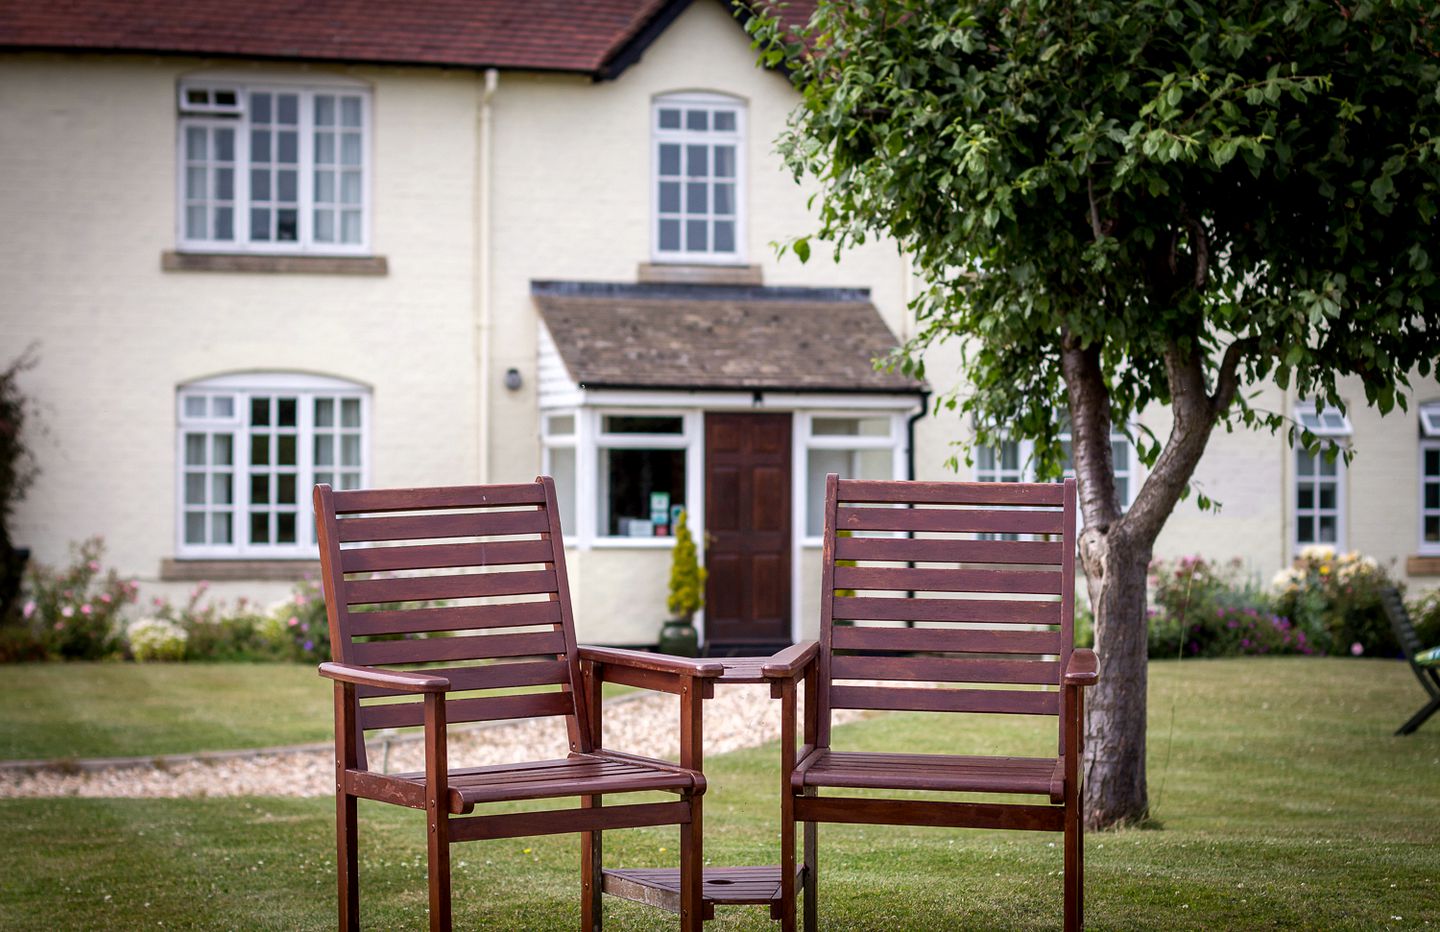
(806, 440)
(567, 493)
(682, 137)
(241, 388)
(1429, 442)
(1335, 429)
(598, 440)
(211, 115)
(1130, 469)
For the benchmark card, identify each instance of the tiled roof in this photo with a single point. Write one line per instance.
(561, 35)
(712, 337)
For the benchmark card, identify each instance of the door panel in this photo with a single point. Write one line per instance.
(747, 518)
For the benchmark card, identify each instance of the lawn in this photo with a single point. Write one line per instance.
(1282, 798)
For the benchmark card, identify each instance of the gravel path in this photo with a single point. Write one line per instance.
(648, 724)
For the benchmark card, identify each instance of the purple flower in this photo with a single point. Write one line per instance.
(1244, 642)
(309, 645)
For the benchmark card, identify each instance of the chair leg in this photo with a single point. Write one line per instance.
(692, 871)
(439, 871)
(812, 905)
(592, 910)
(347, 861)
(787, 866)
(1419, 718)
(1074, 867)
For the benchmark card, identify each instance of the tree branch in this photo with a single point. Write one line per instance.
(1094, 210)
(1194, 420)
(1090, 432)
(1227, 381)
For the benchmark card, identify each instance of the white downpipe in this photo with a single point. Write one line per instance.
(483, 285)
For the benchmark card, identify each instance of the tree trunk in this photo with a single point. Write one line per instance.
(1114, 788)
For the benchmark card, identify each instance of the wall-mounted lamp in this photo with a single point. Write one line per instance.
(513, 380)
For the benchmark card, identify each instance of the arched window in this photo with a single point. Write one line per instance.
(699, 178)
(249, 449)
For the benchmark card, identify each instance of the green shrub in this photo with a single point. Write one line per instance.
(687, 576)
(215, 631)
(298, 626)
(1200, 608)
(74, 612)
(156, 639)
(1335, 599)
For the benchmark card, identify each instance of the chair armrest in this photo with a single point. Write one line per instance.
(1083, 669)
(790, 662)
(410, 682)
(660, 663)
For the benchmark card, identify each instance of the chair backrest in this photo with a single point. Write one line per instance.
(1410, 642)
(466, 582)
(946, 582)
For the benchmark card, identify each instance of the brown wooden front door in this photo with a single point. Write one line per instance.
(747, 522)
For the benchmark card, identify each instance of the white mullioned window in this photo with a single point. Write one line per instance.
(559, 441)
(856, 446)
(1320, 478)
(642, 459)
(1430, 478)
(250, 448)
(273, 167)
(1014, 461)
(699, 178)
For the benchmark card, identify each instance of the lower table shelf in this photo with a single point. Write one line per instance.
(724, 886)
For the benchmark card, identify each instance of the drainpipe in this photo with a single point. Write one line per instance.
(483, 285)
(910, 460)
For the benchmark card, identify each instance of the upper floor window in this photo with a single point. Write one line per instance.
(1320, 478)
(250, 449)
(273, 168)
(699, 178)
(1430, 478)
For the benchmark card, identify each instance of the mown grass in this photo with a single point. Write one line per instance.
(1284, 801)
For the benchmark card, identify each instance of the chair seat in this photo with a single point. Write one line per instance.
(1043, 776)
(576, 775)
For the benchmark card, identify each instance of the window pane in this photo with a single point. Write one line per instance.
(285, 488)
(725, 121)
(350, 226)
(194, 449)
(350, 450)
(225, 223)
(324, 450)
(195, 143)
(850, 427)
(1327, 529)
(286, 409)
(1305, 500)
(285, 450)
(260, 145)
(350, 149)
(195, 406)
(1327, 465)
(220, 488)
(1327, 496)
(696, 238)
(194, 527)
(670, 235)
(1432, 529)
(259, 527)
(630, 477)
(287, 147)
(642, 424)
(225, 184)
(220, 527)
(350, 412)
(287, 225)
(1305, 529)
(985, 461)
(1304, 463)
(324, 110)
(725, 199)
(560, 425)
(195, 182)
(259, 224)
(195, 223)
(195, 488)
(259, 450)
(669, 197)
(259, 411)
(224, 450)
(1432, 462)
(285, 186)
(285, 531)
(562, 469)
(289, 109)
(1432, 495)
(350, 188)
(697, 197)
(350, 111)
(697, 160)
(724, 235)
(724, 161)
(325, 148)
(349, 480)
(669, 119)
(669, 159)
(225, 145)
(260, 108)
(260, 490)
(325, 226)
(697, 120)
(324, 412)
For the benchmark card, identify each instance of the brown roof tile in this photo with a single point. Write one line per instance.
(718, 337)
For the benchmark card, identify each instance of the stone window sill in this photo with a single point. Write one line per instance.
(172, 261)
(1422, 566)
(172, 570)
(679, 273)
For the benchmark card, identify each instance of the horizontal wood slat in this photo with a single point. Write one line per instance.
(950, 493)
(454, 618)
(984, 611)
(474, 496)
(949, 520)
(565, 821)
(943, 640)
(938, 772)
(944, 670)
(475, 647)
(530, 705)
(1012, 701)
(440, 527)
(948, 550)
(1029, 582)
(929, 813)
(467, 586)
(488, 676)
(441, 556)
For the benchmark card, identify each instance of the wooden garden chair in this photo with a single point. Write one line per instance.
(483, 567)
(938, 603)
(1428, 676)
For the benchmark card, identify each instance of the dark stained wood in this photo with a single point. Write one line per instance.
(422, 527)
(950, 520)
(537, 622)
(724, 886)
(948, 550)
(936, 652)
(436, 556)
(992, 611)
(948, 670)
(947, 639)
(454, 618)
(1009, 701)
(954, 493)
(1030, 582)
(747, 518)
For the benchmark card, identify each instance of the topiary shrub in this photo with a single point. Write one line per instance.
(17, 471)
(687, 576)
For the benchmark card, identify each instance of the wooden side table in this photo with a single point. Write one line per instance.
(722, 886)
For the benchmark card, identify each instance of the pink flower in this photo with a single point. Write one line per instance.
(67, 611)
(93, 566)
(156, 601)
(105, 597)
(59, 626)
(86, 609)
(1357, 649)
(29, 609)
(294, 621)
